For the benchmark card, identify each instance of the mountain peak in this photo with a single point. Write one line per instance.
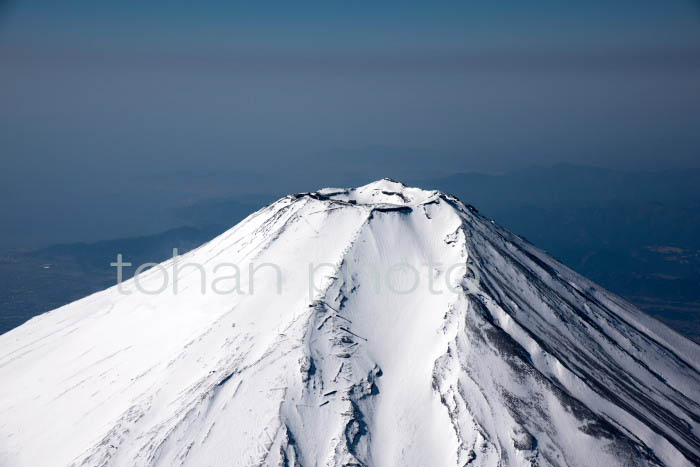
(380, 192)
(370, 326)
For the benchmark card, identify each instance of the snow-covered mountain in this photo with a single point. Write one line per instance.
(424, 335)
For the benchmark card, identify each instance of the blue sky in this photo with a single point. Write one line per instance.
(357, 26)
(130, 106)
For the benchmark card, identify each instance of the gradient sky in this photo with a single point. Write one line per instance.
(112, 111)
(360, 25)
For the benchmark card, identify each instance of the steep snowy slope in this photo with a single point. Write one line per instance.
(394, 354)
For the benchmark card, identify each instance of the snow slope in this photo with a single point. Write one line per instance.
(397, 355)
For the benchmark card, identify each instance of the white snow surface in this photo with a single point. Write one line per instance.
(523, 362)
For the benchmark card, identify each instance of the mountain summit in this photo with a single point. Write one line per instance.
(376, 326)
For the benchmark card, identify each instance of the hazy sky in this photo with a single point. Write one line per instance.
(111, 111)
